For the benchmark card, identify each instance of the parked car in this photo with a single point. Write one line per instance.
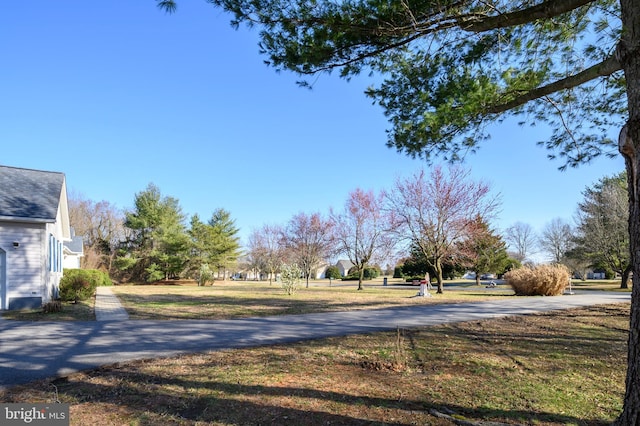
(488, 276)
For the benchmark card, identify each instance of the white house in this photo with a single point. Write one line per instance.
(72, 252)
(34, 225)
(344, 266)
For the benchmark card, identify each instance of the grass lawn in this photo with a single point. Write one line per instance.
(557, 368)
(80, 311)
(238, 299)
(173, 300)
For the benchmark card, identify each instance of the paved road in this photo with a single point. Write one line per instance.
(36, 350)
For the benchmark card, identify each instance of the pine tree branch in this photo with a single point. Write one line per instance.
(603, 69)
(545, 10)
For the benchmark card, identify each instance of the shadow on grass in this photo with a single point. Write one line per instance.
(167, 395)
(148, 397)
(71, 311)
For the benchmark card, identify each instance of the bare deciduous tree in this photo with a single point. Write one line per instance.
(435, 212)
(307, 239)
(266, 250)
(361, 230)
(521, 239)
(555, 239)
(101, 227)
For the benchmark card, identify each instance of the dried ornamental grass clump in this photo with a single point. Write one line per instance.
(541, 280)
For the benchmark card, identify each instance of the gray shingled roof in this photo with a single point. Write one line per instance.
(76, 245)
(29, 194)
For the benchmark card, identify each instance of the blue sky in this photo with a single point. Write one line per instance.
(118, 95)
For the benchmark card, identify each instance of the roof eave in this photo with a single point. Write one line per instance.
(19, 219)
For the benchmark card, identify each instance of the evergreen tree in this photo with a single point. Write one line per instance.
(157, 246)
(482, 250)
(214, 243)
(602, 218)
(226, 243)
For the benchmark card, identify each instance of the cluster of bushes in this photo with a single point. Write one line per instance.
(410, 271)
(541, 280)
(369, 274)
(81, 284)
(333, 272)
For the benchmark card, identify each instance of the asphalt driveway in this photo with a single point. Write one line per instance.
(37, 350)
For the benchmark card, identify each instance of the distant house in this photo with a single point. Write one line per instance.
(320, 271)
(34, 225)
(72, 252)
(344, 266)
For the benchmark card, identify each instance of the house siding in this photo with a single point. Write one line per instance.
(35, 267)
(71, 261)
(23, 263)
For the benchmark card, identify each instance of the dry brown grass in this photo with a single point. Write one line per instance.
(230, 299)
(540, 280)
(69, 311)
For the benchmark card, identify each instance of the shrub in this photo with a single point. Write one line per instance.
(52, 307)
(351, 278)
(397, 272)
(205, 274)
(290, 277)
(541, 280)
(100, 278)
(371, 273)
(354, 277)
(80, 284)
(154, 273)
(333, 272)
(76, 288)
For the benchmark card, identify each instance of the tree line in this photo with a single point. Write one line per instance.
(598, 239)
(438, 214)
(151, 241)
(437, 223)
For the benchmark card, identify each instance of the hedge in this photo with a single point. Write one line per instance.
(81, 284)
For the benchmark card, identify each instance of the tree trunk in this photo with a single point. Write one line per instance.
(629, 145)
(360, 277)
(438, 270)
(631, 410)
(624, 284)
